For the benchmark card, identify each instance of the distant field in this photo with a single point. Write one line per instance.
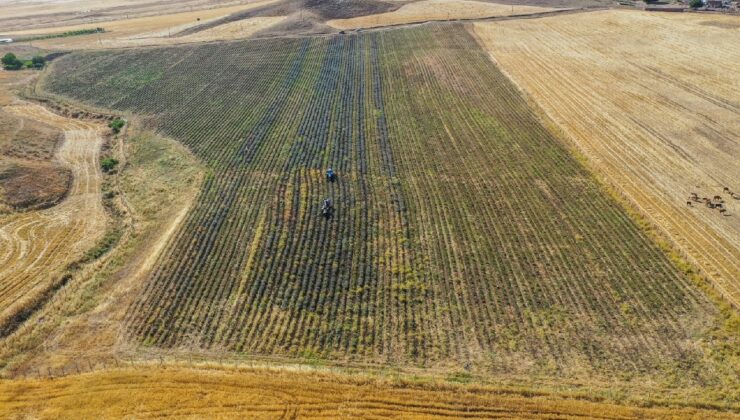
(465, 234)
(653, 101)
(37, 246)
(426, 10)
(151, 30)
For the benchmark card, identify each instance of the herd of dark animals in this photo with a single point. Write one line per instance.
(715, 202)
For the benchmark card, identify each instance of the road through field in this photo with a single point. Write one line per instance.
(653, 102)
(36, 246)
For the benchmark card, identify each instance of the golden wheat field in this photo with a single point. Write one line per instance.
(36, 246)
(435, 10)
(215, 393)
(653, 102)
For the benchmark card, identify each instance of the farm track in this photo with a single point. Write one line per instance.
(36, 246)
(464, 233)
(686, 142)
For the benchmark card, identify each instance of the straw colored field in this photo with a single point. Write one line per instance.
(200, 393)
(142, 31)
(653, 102)
(232, 30)
(30, 177)
(36, 246)
(24, 14)
(435, 10)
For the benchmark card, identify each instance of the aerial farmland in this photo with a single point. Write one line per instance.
(367, 208)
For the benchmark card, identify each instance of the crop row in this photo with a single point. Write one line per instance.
(463, 230)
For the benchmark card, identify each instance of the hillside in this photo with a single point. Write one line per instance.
(465, 235)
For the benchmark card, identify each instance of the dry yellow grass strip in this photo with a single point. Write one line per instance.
(232, 30)
(653, 102)
(183, 392)
(153, 30)
(36, 246)
(435, 10)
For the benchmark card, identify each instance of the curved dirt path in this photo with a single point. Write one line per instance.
(36, 246)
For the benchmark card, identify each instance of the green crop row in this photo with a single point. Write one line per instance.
(464, 233)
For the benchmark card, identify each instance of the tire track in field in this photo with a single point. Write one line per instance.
(36, 246)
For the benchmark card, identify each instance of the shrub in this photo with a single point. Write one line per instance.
(38, 62)
(117, 125)
(11, 62)
(695, 4)
(108, 164)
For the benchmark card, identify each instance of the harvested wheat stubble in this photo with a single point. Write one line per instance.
(492, 249)
(153, 30)
(271, 393)
(36, 246)
(653, 101)
(426, 10)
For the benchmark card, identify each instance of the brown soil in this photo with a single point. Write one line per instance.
(30, 176)
(27, 185)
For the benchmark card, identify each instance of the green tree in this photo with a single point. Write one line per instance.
(38, 62)
(117, 125)
(11, 62)
(695, 4)
(108, 164)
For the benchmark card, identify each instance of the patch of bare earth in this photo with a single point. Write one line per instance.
(653, 102)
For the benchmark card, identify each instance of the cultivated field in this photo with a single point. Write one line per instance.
(37, 246)
(427, 10)
(272, 393)
(494, 250)
(22, 15)
(151, 30)
(653, 102)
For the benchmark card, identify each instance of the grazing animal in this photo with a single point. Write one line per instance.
(688, 203)
(716, 197)
(722, 212)
(726, 189)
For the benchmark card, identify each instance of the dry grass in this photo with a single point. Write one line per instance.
(158, 181)
(36, 246)
(20, 15)
(435, 10)
(152, 30)
(651, 100)
(29, 175)
(227, 31)
(154, 392)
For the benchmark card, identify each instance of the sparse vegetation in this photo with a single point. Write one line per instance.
(108, 164)
(64, 34)
(116, 125)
